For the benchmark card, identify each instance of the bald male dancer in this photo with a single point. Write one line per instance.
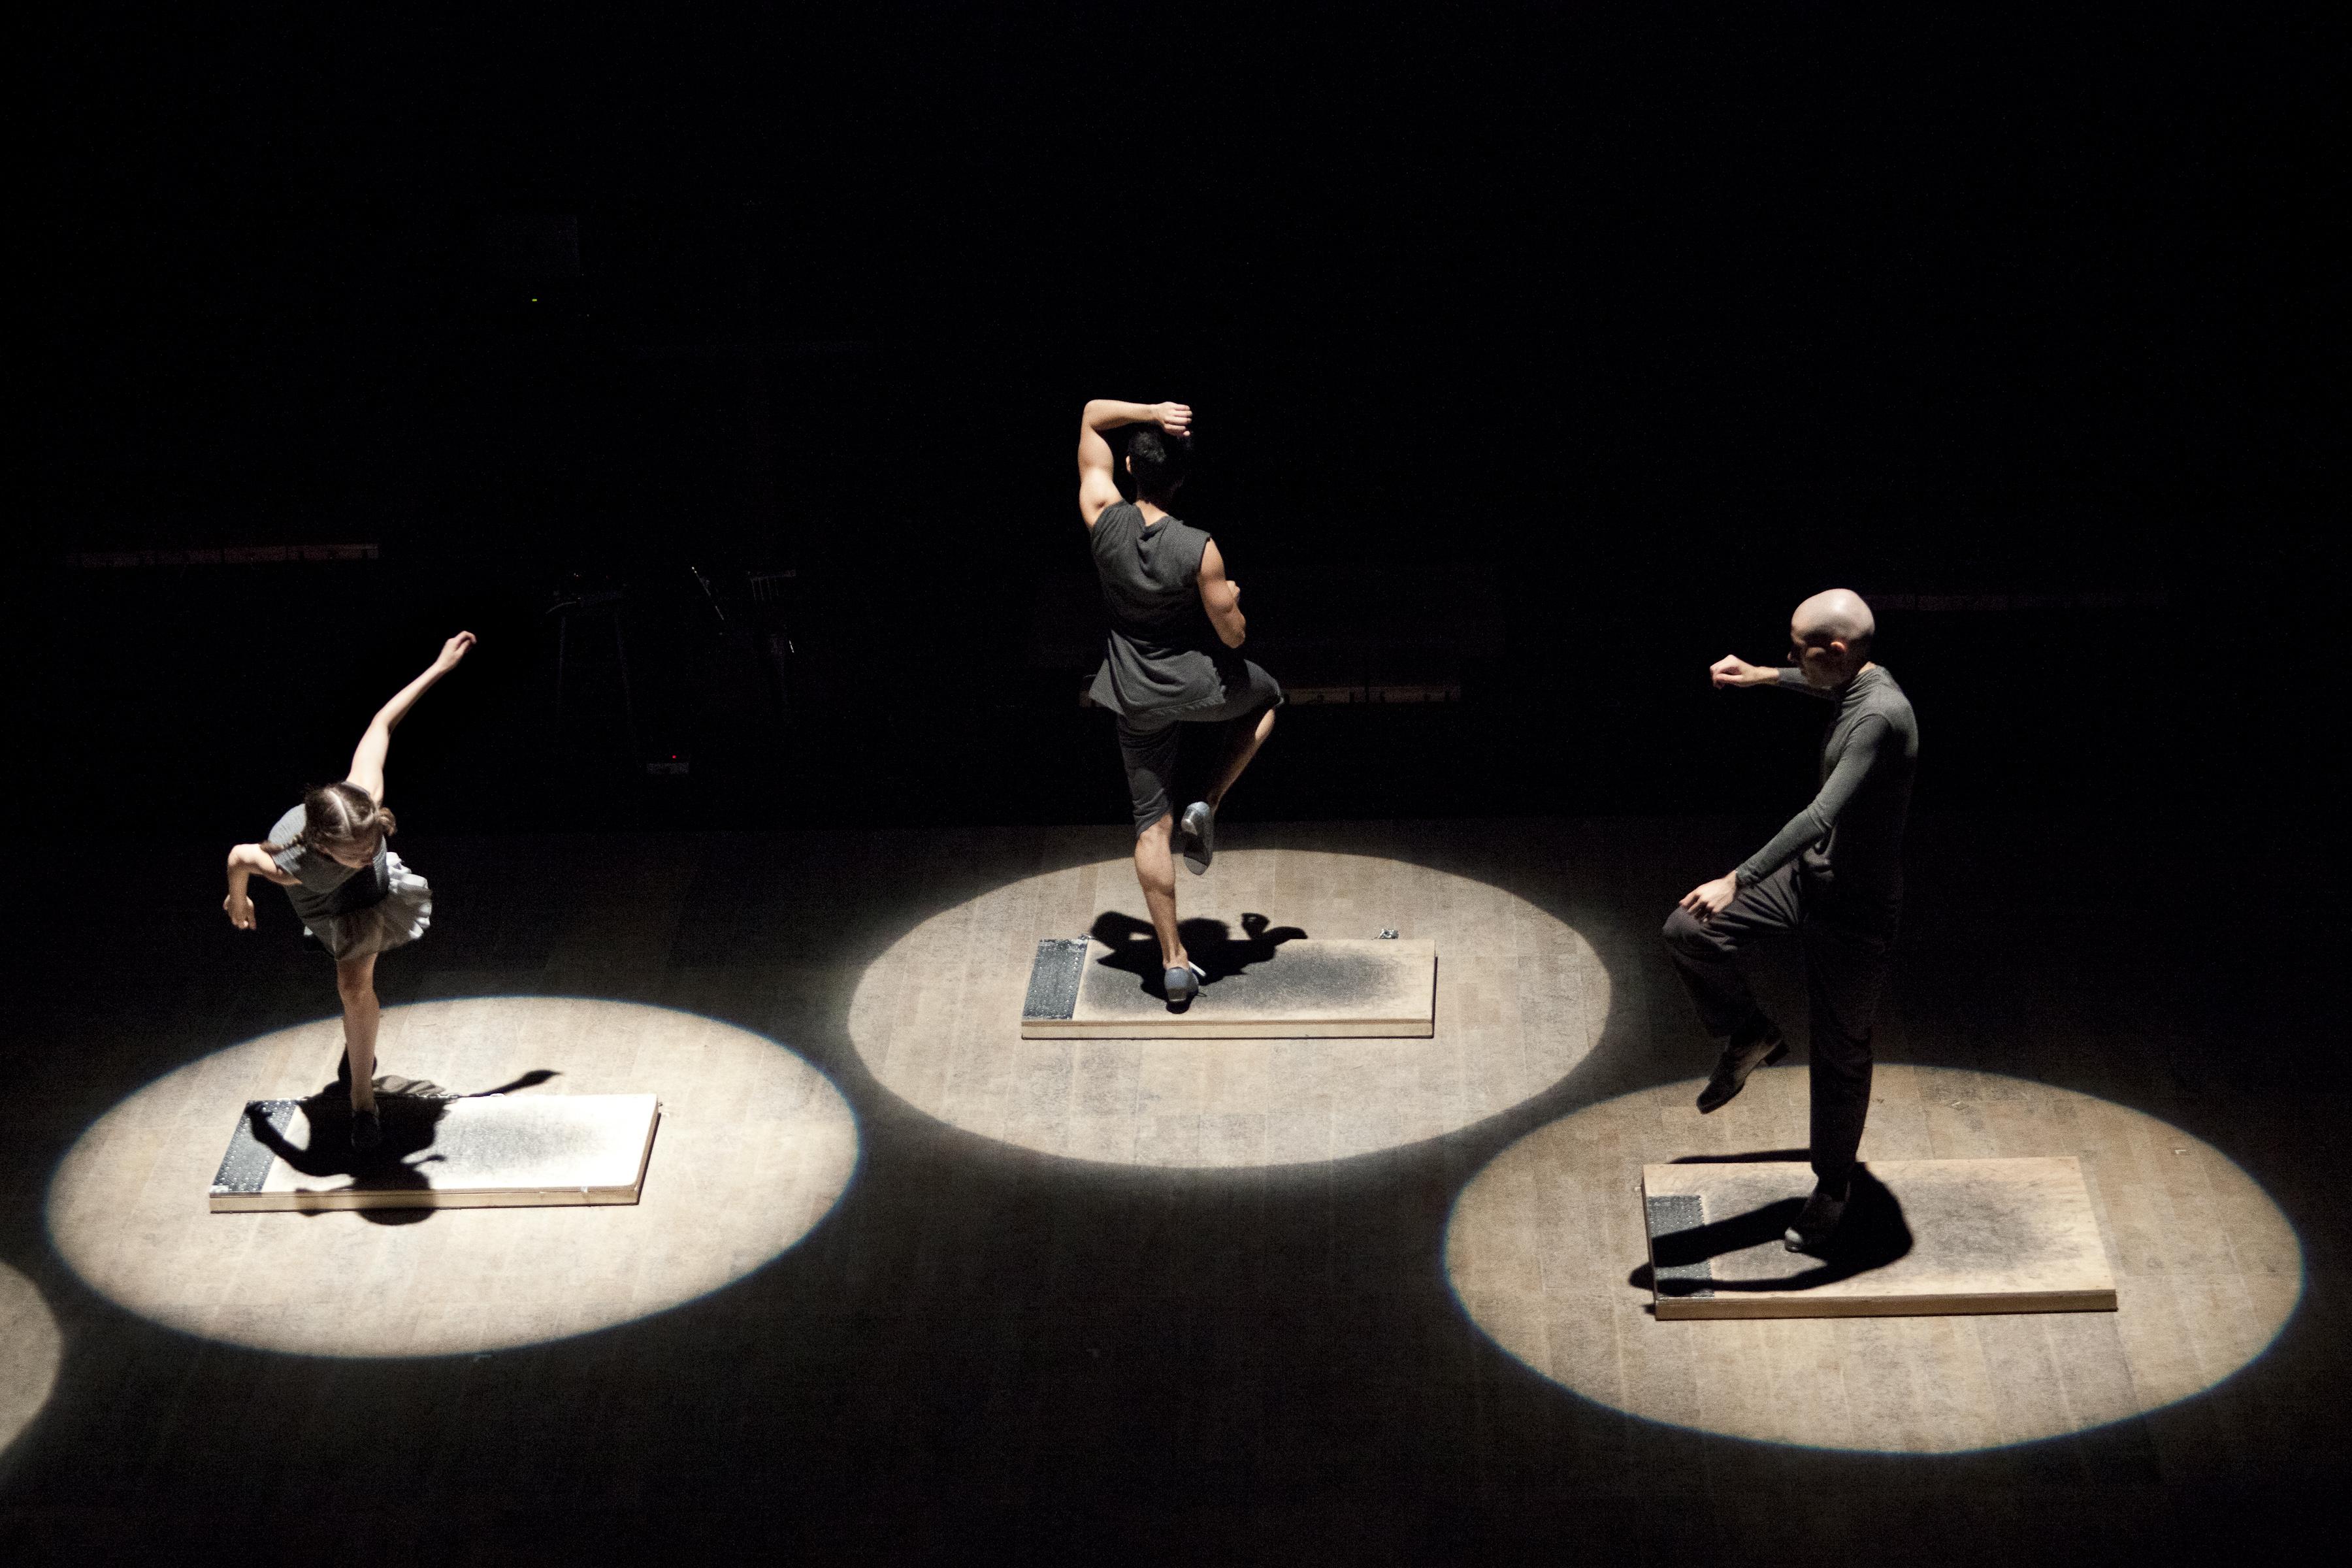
(1171, 657)
(1834, 876)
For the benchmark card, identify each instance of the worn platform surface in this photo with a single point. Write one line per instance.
(479, 1151)
(1300, 989)
(1920, 1238)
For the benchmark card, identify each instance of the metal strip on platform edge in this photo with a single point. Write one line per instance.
(246, 1165)
(1668, 1214)
(1053, 979)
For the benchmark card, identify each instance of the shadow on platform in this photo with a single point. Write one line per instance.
(1209, 943)
(1873, 1234)
(410, 1112)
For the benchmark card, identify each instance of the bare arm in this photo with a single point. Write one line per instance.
(1222, 597)
(248, 860)
(367, 761)
(1097, 488)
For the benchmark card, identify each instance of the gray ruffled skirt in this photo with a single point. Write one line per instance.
(394, 920)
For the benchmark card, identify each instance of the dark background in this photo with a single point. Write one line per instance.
(1547, 352)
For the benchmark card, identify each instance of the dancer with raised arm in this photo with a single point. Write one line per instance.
(1171, 659)
(351, 892)
(1833, 875)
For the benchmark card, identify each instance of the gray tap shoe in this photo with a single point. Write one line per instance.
(1199, 830)
(1182, 982)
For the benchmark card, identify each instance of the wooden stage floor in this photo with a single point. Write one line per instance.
(991, 1348)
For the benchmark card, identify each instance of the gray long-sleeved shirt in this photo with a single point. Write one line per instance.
(1850, 837)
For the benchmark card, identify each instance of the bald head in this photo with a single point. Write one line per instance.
(1836, 614)
(1832, 631)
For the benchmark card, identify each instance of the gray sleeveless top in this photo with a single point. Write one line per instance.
(1161, 653)
(328, 886)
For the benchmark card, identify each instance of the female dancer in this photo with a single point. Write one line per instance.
(349, 889)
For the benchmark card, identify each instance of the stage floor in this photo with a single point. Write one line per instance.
(968, 1336)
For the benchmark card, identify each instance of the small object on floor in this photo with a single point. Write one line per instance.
(475, 1151)
(1182, 982)
(1916, 1237)
(367, 1131)
(1200, 831)
(1388, 933)
(1738, 1059)
(1292, 990)
(1817, 1222)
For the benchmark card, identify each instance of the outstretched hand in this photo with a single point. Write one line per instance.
(453, 650)
(1176, 418)
(1733, 670)
(1709, 899)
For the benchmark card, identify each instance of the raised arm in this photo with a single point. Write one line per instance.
(367, 761)
(1222, 597)
(1098, 487)
(1732, 670)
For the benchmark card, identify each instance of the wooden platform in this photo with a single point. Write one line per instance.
(483, 1151)
(1920, 1238)
(1081, 987)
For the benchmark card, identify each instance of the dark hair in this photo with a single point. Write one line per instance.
(1158, 460)
(337, 814)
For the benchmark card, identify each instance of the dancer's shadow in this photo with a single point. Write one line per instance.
(1873, 1234)
(409, 1109)
(1210, 944)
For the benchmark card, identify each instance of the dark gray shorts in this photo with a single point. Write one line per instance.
(1147, 742)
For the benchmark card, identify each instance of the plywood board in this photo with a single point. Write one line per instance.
(1300, 990)
(1920, 1238)
(479, 1151)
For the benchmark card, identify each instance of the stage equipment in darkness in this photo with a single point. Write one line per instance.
(662, 672)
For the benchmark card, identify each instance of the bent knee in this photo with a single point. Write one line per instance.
(1683, 932)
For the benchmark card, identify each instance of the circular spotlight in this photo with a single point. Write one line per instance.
(30, 1349)
(1521, 998)
(755, 1147)
(1544, 1242)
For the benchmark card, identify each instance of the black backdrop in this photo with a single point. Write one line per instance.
(1559, 348)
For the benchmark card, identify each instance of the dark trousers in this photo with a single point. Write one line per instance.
(1846, 969)
(1147, 742)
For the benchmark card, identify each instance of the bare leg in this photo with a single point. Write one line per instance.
(355, 982)
(1155, 868)
(1246, 740)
